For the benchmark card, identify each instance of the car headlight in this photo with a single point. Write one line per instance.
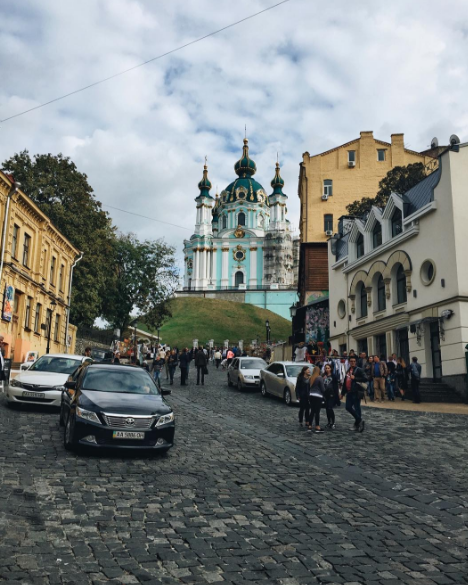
(60, 388)
(87, 415)
(249, 377)
(165, 419)
(15, 383)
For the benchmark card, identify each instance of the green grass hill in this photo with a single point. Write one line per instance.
(205, 319)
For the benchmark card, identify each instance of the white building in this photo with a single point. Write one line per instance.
(399, 278)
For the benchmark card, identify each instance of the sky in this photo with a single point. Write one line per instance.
(305, 76)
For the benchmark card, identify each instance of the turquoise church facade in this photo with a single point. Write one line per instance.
(242, 247)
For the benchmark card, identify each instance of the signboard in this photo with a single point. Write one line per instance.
(8, 299)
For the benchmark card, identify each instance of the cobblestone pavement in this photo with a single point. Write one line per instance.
(245, 496)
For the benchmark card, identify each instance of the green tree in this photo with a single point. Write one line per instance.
(398, 180)
(64, 194)
(144, 278)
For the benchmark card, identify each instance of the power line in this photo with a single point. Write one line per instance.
(146, 217)
(144, 62)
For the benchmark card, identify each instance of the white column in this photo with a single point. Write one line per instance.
(214, 266)
(253, 266)
(195, 268)
(224, 274)
(202, 275)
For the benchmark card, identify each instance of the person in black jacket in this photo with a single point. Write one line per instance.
(201, 363)
(302, 392)
(353, 392)
(184, 361)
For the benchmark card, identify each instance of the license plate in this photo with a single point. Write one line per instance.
(33, 394)
(128, 435)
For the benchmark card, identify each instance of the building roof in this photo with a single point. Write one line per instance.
(422, 193)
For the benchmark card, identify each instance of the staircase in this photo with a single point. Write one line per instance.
(436, 392)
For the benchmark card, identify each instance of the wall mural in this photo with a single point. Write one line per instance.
(317, 323)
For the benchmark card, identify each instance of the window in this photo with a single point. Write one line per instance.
(381, 152)
(397, 223)
(381, 299)
(27, 313)
(239, 278)
(427, 272)
(381, 345)
(48, 322)
(37, 318)
(52, 269)
(328, 222)
(377, 235)
(224, 222)
(341, 309)
(26, 249)
(57, 327)
(241, 218)
(14, 243)
(360, 246)
(328, 187)
(62, 270)
(401, 285)
(363, 301)
(351, 156)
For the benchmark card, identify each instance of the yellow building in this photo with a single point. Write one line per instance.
(35, 269)
(330, 181)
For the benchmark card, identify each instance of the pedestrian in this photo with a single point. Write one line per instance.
(201, 364)
(415, 370)
(316, 393)
(300, 353)
(158, 365)
(369, 372)
(217, 358)
(402, 377)
(302, 393)
(391, 368)
(87, 352)
(355, 392)
(230, 356)
(380, 376)
(330, 395)
(184, 361)
(172, 362)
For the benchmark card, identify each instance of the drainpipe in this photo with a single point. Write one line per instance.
(13, 189)
(77, 259)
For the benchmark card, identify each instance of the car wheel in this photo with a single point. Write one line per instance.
(229, 381)
(263, 389)
(288, 397)
(69, 435)
(239, 384)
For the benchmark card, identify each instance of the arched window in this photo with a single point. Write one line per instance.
(224, 222)
(397, 223)
(381, 299)
(377, 235)
(241, 218)
(360, 246)
(239, 278)
(363, 301)
(401, 285)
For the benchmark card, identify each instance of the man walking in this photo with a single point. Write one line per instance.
(172, 361)
(354, 377)
(200, 362)
(415, 370)
(369, 372)
(380, 375)
(217, 357)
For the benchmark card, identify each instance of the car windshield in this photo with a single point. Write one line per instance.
(125, 381)
(257, 364)
(293, 371)
(59, 365)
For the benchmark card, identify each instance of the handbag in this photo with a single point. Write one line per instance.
(205, 371)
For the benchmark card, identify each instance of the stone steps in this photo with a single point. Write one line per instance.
(436, 392)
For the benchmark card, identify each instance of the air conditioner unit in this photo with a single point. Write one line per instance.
(324, 197)
(328, 232)
(351, 163)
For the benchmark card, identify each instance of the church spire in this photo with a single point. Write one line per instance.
(278, 182)
(205, 184)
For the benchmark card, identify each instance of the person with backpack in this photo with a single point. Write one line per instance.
(201, 363)
(380, 376)
(355, 389)
(302, 393)
(415, 370)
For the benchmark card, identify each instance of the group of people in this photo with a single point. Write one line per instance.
(167, 360)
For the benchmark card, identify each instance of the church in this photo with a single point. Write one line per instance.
(242, 248)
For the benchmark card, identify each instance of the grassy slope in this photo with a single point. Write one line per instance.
(204, 319)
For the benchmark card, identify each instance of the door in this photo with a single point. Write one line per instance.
(435, 351)
(279, 381)
(403, 344)
(272, 379)
(381, 345)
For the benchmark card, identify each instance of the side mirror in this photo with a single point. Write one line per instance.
(165, 391)
(280, 375)
(71, 385)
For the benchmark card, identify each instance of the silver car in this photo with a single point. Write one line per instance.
(279, 379)
(244, 372)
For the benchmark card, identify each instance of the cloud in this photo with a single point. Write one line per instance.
(305, 76)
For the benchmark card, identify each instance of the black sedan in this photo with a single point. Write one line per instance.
(116, 406)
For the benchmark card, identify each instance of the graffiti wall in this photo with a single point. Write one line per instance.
(317, 323)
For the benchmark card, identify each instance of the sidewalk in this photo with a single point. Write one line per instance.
(441, 407)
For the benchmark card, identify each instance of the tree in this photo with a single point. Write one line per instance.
(65, 196)
(398, 180)
(144, 279)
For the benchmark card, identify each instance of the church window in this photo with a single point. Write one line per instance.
(239, 278)
(241, 218)
(224, 222)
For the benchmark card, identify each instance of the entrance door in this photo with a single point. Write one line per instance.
(381, 345)
(403, 344)
(362, 345)
(435, 350)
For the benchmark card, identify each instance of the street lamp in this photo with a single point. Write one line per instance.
(293, 310)
(268, 330)
(53, 304)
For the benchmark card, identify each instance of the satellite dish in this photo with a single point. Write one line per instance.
(454, 140)
(434, 142)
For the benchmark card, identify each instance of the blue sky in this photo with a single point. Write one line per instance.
(305, 76)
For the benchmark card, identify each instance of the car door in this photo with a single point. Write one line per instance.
(272, 378)
(68, 394)
(279, 381)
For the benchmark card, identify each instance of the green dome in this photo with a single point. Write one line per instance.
(244, 189)
(277, 183)
(205, 184)
(245, 167)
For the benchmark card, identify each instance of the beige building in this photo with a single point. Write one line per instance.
(330, 181)
(35, 269)
(399, 279)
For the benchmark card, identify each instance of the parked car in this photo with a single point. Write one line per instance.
(117, 406)
(244, 372)
(43, 382)
(101, 355)
(279, 379)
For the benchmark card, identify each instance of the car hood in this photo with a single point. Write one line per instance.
(42, 378)
(250, 372)
(116, 403)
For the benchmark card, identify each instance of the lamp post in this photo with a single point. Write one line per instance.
(53, 304)
(293, 313)
(268, 331)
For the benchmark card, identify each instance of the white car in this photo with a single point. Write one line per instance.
(43, 382)
(279, 379)
(244, 372)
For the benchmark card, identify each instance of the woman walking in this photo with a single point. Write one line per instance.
(316, 393)
(302, 392)
(330, 395)
(402, 377)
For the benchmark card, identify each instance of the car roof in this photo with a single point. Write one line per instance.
(250, 357)
(286, 363)
(114, 367)
(65, 355)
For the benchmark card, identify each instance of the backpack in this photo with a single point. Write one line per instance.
(414, 371)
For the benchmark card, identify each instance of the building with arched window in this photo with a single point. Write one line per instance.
(242, 247)
(398, 276)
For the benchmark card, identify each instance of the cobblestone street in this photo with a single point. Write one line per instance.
(245, 496)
